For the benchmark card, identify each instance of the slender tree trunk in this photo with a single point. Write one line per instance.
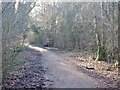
(118, 44)
(96, 33)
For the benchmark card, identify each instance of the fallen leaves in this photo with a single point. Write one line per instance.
(30, 75)
(102, 70)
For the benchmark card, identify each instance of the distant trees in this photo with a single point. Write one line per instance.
(81, 26)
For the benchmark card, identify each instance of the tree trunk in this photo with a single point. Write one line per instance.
(119, 35)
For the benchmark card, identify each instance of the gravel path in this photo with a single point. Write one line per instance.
(47, 69)
(63, 73)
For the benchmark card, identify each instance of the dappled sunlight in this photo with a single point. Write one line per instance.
(51, 48)
(35, 48)
(63, 64)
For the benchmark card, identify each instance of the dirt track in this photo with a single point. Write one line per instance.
(46, 68)
(62, 72)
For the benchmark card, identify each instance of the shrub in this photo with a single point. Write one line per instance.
(101, 53)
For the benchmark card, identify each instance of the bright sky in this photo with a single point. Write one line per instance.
(63, 0)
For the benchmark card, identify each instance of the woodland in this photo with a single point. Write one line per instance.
(88, 28)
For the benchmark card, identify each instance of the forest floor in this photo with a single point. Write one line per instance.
(102, 71)
(46, 68)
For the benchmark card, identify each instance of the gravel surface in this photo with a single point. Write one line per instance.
(102, 72)
(46, 68)
(63, 73)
